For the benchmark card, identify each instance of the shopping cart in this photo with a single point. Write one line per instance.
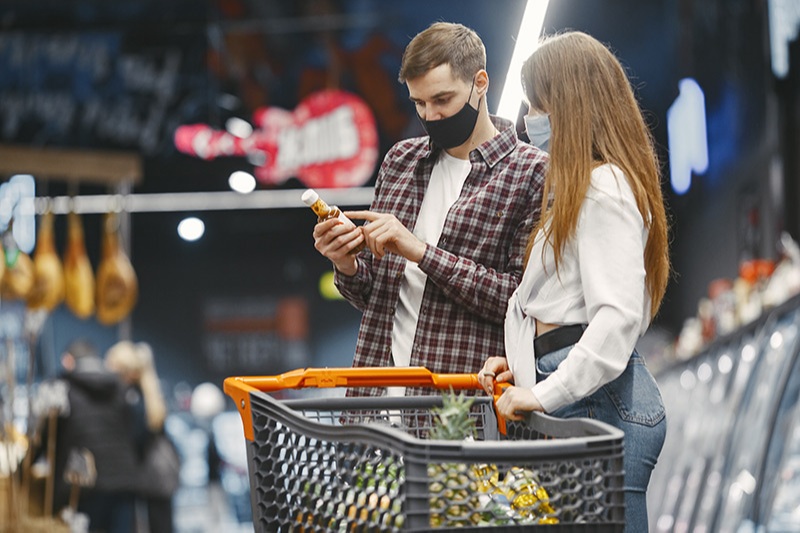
(366, 464)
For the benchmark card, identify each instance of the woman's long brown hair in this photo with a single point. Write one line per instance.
(595, 120)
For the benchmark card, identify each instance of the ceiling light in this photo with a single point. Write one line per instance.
(191, 228)
(242, 182)
(527, 41)
(687, 135)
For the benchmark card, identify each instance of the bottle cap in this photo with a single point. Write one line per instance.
(309, 197)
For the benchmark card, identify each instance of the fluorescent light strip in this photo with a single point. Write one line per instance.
(527, 40)
(687, 135)
(784, 25)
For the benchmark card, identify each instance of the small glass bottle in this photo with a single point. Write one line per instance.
(325, 212)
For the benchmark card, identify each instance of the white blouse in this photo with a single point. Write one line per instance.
(600, 282)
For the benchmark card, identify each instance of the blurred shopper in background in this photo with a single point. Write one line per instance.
(596, 264)
(158, 458)
(449, 222)
(98, 421)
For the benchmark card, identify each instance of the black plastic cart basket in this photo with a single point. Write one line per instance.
(365, 463)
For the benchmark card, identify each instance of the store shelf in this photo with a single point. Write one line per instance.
(731, 461)
(198, 201)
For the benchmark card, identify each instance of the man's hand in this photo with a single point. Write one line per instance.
(335, 240)
(385, 233)
(516, 401)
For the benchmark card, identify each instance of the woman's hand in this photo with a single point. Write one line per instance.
(515, 402)
(494, 369)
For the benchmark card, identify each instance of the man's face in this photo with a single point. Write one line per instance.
(437, 94)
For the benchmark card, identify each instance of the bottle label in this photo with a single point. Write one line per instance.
(320, 208)
(346, 221)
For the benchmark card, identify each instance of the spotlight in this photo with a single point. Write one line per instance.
(242, 182)
(527, 41)
(191, 228)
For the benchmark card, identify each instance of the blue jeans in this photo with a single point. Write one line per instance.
(632, 403)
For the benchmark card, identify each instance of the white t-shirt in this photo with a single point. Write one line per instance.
(600, 282)
(444, 188)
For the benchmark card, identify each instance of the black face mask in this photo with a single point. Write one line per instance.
(454, 130)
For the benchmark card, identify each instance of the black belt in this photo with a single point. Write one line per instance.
(558, 338)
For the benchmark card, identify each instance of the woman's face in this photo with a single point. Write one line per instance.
(130, 376)
(537, 126)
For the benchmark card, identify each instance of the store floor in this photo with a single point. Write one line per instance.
(214, 494)
(206, 510)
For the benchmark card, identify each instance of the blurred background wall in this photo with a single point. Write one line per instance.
(89, 74)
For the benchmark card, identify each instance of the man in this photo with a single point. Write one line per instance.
(448, 227)
(98, 420)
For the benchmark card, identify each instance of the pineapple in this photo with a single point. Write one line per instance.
(455, 487)
(452, 420)
(472, 495)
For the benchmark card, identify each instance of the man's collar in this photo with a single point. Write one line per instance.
(499, 146)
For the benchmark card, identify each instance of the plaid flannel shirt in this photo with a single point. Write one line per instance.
(474, 268)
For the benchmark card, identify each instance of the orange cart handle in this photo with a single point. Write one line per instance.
(360, 377)
(239, 388)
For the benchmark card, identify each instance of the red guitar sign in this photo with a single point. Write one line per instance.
(329, 140)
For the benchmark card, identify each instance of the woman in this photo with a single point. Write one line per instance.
(597, 263)
(134, 364)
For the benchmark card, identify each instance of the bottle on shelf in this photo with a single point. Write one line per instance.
(325, 212)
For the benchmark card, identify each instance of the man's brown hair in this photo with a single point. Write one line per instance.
(444, 43)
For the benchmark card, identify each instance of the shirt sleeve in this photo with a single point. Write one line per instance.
(357, 288)
(610, 241)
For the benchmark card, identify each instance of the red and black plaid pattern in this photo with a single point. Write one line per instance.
(474, 268)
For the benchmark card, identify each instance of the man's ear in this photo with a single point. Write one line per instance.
(482, 81)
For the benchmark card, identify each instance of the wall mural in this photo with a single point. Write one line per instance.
(329, 140)
(112, 85)
(99, 89)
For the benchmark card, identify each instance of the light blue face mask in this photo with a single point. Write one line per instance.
(538, 129)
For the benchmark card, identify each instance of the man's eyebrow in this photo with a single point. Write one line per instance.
(436, 96)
